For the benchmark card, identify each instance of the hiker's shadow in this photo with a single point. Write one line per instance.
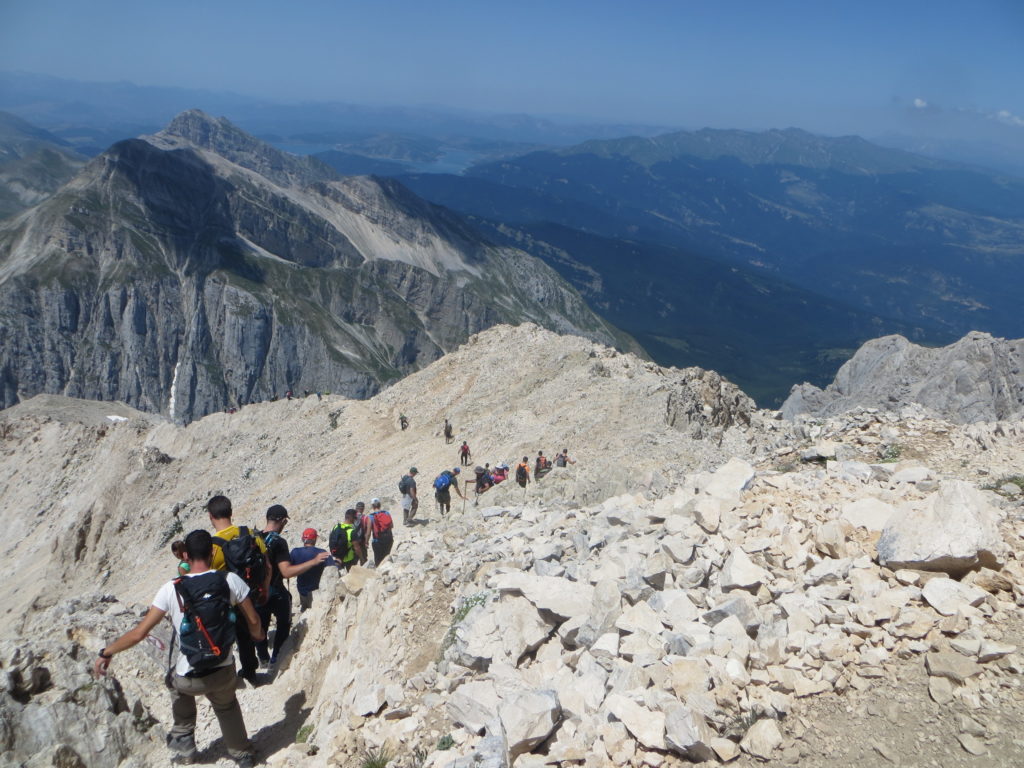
(273, 738)
(270, 739)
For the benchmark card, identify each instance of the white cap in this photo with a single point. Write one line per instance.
(374, 501)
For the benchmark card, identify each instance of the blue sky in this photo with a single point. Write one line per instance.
(827, 66)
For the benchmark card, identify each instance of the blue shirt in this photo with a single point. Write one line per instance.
(309, 582)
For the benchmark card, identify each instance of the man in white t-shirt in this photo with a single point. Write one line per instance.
(216, 683)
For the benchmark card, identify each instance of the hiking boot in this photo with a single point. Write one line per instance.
(183, 747)
(247, 760)
(251, 678)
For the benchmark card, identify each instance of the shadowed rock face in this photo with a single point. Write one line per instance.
(979, 378)
(200, 269)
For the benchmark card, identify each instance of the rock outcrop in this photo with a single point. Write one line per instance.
(200, 269)
(979, 378)
(698, 601)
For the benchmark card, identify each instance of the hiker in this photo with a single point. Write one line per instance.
(443, 484)
(379, 532)
(309, 582)
(178, 550)
(343, 543)
(201, 599)
(562, 459)
(483, 479)
(359, 532)
(403, 422)
(500, 473)
(237, 550)
(449, 433)
(542, 466)
(464, 454)
(288, 394)
(523, 472)
(410, 501)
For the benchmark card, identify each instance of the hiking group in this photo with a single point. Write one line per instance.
(230, 584)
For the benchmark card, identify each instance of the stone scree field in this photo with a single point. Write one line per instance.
(729, 588)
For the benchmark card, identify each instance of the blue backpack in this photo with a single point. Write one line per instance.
(443, 481)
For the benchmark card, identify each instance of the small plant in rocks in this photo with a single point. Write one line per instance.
(376, 758)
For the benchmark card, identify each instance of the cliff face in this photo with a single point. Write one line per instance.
(200, 268)
(978, 378)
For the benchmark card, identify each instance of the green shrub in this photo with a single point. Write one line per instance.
(467, 604)
(445, 743)
(304, 732)
(890, 453)
(376, 758)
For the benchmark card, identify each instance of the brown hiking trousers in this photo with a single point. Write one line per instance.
(219, 688)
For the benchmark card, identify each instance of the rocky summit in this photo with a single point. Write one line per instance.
(707, 584)
(200, 269)
(978, 378)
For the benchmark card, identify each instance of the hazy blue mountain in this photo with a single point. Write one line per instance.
(123, 110)
(351, 164)
(33, 164)
(893, 234)
(687, 309)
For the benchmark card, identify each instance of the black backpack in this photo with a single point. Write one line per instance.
(338, 544)
(522, 473)
(207, 630)
(243, 556)
(405, 484)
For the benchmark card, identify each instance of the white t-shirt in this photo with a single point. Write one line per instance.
(167, 601)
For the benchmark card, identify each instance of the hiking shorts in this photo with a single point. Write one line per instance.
(443, 497)
(407, 502)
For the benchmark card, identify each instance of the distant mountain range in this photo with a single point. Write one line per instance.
(834, 240)
(94, 115)
(200, 268)
(33, 164)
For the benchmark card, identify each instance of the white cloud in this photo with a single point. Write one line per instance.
(1006, 116)
(920, 104)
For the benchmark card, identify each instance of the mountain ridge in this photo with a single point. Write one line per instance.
(173, 278)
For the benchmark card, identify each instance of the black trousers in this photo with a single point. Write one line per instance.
(280, 607)
(246, 647)
(382, 547)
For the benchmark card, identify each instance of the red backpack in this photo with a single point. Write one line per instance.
(380, 522)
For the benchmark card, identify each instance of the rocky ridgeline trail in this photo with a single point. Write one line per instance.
(708, 584)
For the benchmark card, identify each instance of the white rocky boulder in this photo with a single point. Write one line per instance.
(740, 572)
(528, 718)
(953, 530)
(646, 726)
(869, 513)
(474, 705)
(948, 596)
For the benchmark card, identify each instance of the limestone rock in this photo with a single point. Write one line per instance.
(762, 739)
(687, 733)
(646, 726)
(869, 513)
(528, 718)
(729, 481)
(975, 379)
(356, 579)
(954, 531)
(740, 572)
(948, 596)
(561, 597)
(474, 705)
(952, 666)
